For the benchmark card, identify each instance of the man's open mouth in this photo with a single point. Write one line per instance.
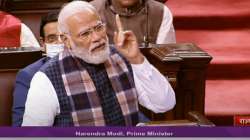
(99, 47)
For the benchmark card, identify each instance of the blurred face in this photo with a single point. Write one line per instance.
(127, 3)
(52, 34)
(87, 37)
(52, 39)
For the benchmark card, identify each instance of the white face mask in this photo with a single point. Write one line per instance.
(53, 49)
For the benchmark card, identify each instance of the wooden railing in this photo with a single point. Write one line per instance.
(185, 66)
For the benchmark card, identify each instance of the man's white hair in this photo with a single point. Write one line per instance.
(71, 9)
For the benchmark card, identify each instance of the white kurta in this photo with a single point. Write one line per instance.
(166, 32)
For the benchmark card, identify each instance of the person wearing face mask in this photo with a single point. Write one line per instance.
(94, 83)
(50, 38)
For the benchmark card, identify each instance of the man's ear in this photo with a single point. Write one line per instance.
(42, 43)
(66, 41)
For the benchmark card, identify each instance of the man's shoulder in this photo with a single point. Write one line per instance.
(34, 67)
(98, 4)
(154, 3)
(52, 62)
(28, 72)
(115, 52)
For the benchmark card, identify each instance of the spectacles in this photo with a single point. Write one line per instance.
(99, 28)
(54, 38)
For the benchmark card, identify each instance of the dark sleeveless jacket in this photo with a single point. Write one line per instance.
(74, 105)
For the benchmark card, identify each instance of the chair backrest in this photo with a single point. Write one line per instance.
(10, 62)
(7, 80)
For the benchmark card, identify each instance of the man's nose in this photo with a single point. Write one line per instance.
(59, 40)
(95, 36)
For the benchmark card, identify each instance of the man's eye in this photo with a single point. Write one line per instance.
(85, 34)
(98, 28)
(53, 38)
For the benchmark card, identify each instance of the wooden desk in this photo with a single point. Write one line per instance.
(194, 119)
(185, 66)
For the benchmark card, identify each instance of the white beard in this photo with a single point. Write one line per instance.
(89, 57)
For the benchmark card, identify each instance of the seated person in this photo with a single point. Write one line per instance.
(13, 33)
(92, 83)
(151, 21)
(49, 39)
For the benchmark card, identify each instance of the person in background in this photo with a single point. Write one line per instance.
(14, 33)
(151, 21)
(50, 37)
(162, 1)
(93, 83)
(51, 40)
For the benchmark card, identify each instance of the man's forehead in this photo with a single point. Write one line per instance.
(50, 28)
(84, 16)
(51, 24)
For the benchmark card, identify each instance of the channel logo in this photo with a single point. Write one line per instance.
(242, 120)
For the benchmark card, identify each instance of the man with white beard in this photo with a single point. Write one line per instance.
(93, 83)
